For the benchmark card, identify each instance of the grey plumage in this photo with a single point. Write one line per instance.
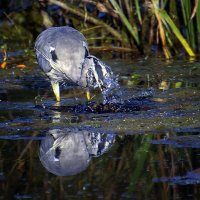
(62, 53)
(68, 151)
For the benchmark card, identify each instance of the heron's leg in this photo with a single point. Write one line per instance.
(88, 95)
(56, 90)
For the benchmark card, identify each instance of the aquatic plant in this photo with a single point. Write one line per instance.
(158, 19)
(146, 27)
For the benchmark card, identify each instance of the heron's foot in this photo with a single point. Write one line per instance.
(57, 104)
(56, 90)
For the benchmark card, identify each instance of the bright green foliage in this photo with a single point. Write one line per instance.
(132, 29)
(165, 30)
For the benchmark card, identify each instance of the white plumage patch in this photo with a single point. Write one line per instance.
(104, 70)
(52, 48)
(85, 44)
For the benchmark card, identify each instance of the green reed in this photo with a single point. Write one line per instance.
(162, 25)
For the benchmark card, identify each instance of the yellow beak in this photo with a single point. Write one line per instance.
(88, 95)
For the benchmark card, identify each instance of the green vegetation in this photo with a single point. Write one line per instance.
(141, 26)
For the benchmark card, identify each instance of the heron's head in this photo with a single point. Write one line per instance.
(98, 74)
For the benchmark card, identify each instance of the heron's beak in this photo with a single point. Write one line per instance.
(56, 90)
(96, 74)
(88, 95)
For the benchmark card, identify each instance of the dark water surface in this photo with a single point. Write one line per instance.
(148, 147)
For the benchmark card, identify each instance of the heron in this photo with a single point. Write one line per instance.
(63, 55)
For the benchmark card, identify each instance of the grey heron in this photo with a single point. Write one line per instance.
(63, 54)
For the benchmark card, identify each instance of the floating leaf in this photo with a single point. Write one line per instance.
(178, 84)
(22, 66)
(135, 76)
(164, 85)
(3, 65)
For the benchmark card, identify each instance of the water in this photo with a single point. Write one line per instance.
(66, 152)
(145, 146)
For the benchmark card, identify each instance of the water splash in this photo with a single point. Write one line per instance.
(111, 92)
(100, 75)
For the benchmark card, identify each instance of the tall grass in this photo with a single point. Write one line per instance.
(131, 28)
(164, 29)
(166, 26)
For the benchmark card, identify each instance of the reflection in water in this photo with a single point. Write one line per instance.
(68, 151)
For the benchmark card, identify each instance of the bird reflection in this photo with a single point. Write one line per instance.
(68, 152)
